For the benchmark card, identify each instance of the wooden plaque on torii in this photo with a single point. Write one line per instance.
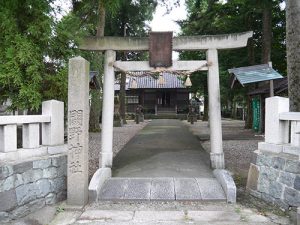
(160, 49)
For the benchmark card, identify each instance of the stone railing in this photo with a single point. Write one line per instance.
(282, 128)
(35, 141)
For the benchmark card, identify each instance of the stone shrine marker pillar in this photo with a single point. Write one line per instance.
(78, 120)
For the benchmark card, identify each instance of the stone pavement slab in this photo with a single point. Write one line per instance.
(138, 189)
(187, 189)
(213, 216)
(158, 216)
(107, 215)
(149, 217)
(114, 189)
(210, 189)
(66, 218)
(162, 189)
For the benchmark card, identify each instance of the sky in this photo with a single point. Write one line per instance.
(161, 21)
(166, 22)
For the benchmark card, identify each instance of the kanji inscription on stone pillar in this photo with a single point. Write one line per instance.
(78, 119)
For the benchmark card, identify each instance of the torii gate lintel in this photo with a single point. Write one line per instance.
(188, 43)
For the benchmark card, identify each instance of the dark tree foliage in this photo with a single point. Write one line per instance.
(210, 17)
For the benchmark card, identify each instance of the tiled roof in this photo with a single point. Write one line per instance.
(252, 74)
(170, 81)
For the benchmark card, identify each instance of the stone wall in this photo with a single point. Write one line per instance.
(28, 186)
(275, 178)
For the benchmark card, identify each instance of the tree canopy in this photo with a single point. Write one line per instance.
(35, 46)
(209, 17)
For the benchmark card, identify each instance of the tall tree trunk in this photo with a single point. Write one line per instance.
(251, 61)
(266, 42)
(251, 52)
(233, 109)
(94, 124)
(123, 88)
(249, 118)
(267, 32)
(123, 97)
(293, 52)
(101, 19)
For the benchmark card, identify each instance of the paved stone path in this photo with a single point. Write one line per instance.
(165, 213)
(152, 213)
(167, 189)
(164, 148)
(164, 161)
(166, 217)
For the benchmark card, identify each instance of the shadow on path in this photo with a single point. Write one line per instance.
(164, 148)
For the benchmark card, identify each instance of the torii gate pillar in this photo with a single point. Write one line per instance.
(108, 110)
(216, 154)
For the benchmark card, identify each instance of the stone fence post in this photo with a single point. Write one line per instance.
(53, 132)
(276, 131)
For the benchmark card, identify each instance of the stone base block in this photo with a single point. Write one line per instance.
(267, 147)
(217, 160)
(293, 150)
(227, 183)
(53, 150)
(97, 183)
(22, 154)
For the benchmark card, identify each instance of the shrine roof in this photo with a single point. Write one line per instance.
(149, 82)
(253, 74)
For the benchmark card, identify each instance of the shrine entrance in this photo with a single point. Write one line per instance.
(160, 46)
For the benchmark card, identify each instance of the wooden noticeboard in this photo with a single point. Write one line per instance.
(160, 49)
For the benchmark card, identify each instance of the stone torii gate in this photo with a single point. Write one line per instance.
(210, 43)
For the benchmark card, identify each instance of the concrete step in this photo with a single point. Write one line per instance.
(162, 189)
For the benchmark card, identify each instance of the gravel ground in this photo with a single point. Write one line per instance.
(121, 136)
(238, 143)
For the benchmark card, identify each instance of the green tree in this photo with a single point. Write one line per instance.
(94, 22)
(130, 20)
(111, 18)
(212, 17)
(24, 46)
